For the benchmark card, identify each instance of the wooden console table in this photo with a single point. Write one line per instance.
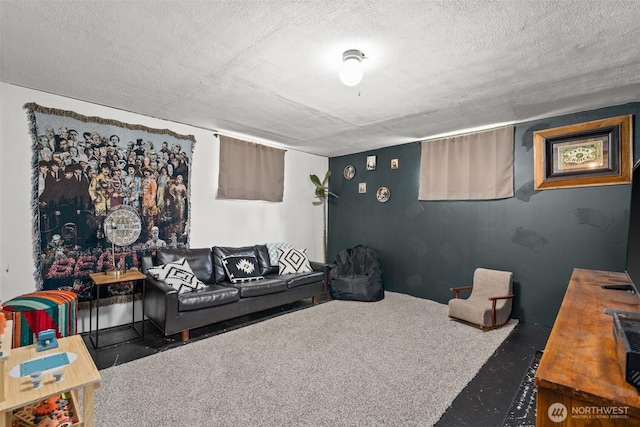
(579, 379)
(79, 374)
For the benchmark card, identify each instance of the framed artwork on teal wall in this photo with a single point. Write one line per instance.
(383, 194)
(371, 163)
(585, 154)
(349, 172)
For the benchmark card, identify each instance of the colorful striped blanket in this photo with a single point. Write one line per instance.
(38, 311)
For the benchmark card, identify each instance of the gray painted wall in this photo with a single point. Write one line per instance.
(427, 247)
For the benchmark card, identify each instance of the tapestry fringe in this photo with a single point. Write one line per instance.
(35, 217)
(93, 119)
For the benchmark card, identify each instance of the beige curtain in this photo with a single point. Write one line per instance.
(250, 171)
(476, 166)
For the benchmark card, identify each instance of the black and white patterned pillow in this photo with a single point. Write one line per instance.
(241, 268)
(293, 261)
(178, 274)
(273, 247)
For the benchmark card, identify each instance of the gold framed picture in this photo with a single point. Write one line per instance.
(585, 154)
(362, 187)
(394, 163)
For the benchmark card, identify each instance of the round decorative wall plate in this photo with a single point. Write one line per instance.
(383, 194)
(349, 172)
(123, 225)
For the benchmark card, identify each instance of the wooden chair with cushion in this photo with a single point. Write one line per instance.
(490, 302)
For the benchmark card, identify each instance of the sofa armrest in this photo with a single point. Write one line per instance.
(326, 269)
(161, 286)
(146, 263)
(160, 300)
(318, 266)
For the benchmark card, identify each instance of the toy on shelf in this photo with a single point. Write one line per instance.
(47, 406)
(47, 340)
(55, 411)
(36, 379)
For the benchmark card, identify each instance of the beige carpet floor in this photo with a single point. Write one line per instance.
(397, 362)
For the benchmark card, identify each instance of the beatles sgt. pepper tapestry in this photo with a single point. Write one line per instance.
(83, 168)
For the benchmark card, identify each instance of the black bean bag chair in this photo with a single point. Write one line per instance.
(356, 275)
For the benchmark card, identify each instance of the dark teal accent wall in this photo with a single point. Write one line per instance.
(427, 247)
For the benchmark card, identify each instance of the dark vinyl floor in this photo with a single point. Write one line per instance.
(484, 402)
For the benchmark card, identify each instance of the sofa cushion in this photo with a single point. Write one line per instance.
(293, 261)
(241, 268)
(259, 287)
(263, 259)
(210, 296)
(178, 274)
(199, 259)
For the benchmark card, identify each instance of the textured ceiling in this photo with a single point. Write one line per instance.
(268, 70)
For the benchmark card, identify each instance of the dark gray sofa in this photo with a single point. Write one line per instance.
(222, 300)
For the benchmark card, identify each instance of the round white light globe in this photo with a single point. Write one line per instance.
(351, 72)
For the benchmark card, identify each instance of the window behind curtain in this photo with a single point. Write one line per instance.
(250, 171)
(475, 166)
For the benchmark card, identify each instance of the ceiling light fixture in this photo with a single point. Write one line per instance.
(351, 68)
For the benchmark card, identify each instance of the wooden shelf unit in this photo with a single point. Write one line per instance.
(81, 374)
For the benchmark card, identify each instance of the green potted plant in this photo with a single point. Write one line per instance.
(322, 193)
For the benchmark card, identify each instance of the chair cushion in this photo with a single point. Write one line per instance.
(491, 283)
(478, 314)
(210, 296)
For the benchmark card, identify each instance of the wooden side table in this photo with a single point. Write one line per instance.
(80, 374)
(100, 279)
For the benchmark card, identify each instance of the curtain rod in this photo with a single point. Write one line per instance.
(272, 145)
